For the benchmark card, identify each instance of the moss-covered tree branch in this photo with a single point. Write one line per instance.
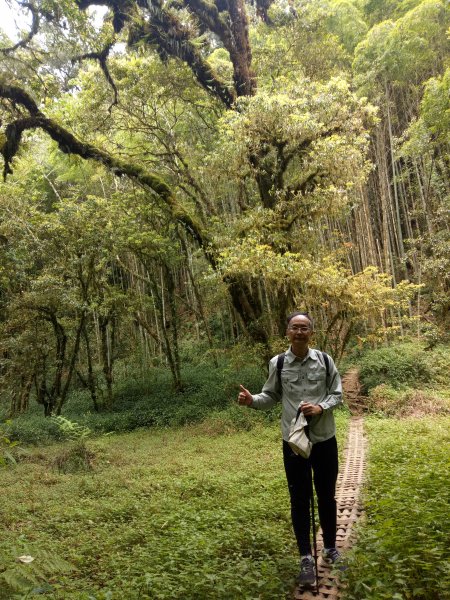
(102, 58)
(69, 144)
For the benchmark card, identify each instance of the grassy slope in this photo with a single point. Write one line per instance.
(164, 514)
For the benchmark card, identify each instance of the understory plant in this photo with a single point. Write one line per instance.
(6, 445)
(402, 550)
(75, 456)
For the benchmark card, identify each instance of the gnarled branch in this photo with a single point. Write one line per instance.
(33, 31)
(120, 8)
(69, 144)
(102, 57)
(172, 38)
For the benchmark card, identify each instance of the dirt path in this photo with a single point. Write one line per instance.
(351, 387)
(349, 508)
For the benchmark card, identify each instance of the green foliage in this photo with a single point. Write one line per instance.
(404, 379)
(405, 51)
(403, 542)
(438, 363)
(431, 128)
(380, 10)
(25, 571)
(347, 22)
(6, 445)
(398, 366)
(34, 428)
(391, 402)
(150, 401)
(162, 514)
(70, 430)
(293, 129)
(74, 458)
(303, 39)
(93, 265)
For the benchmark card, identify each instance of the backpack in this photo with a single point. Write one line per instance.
(280, 363)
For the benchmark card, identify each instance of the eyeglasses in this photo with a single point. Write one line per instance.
(299, 327)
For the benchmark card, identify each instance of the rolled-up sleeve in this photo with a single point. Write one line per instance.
(270, 393)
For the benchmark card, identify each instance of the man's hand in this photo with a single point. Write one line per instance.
(244, 396)
(311, 410)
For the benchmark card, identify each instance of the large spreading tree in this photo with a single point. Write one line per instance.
(224, 148)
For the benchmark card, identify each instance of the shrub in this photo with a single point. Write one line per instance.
(74, 458)
(34, 429)
(389, 402)
(439, 359)
(400, 366)
(383, 399)
(6, 445)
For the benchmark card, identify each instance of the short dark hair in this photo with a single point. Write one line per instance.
(300, 314)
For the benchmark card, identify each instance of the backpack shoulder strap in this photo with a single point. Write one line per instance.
(326, 360)
(280, 363)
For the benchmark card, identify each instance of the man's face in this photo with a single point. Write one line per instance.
(299, 329)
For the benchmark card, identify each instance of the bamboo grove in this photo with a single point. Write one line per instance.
(178, 175)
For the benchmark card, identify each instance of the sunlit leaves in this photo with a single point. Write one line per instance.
(404, 51)
(322, 281)
(431, 128)
(347, 21)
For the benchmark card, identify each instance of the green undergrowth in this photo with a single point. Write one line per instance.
(402, 551)
(404, 380)
(404, 365)
(398, 380)
(194, 513)
(150, 401)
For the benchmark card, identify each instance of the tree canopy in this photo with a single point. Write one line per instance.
(165, 159)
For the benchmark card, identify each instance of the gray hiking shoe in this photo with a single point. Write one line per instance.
(332, 556)
(307, 575)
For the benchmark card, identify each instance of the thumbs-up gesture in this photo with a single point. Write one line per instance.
(244, 396)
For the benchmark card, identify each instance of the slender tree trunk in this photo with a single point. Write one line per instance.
(20, 399)
(106, 356)
(91, 384)
(76, 347)
(196, 293)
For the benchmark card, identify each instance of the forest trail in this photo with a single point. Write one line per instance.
(349, 509)
(352, 388)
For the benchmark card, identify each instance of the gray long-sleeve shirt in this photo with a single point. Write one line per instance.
(303, 380)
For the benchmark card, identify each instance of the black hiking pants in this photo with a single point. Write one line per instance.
(324, 462)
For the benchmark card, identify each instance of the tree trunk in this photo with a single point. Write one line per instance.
(106, 354)
(73, 360)
(90, 382)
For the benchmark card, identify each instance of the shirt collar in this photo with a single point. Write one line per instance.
(290, 356)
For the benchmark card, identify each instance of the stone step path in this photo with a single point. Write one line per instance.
(349, 510)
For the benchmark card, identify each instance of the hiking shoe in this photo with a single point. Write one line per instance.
(331, 556)
(307, 575)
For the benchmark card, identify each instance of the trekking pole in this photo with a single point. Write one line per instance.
(313, 521)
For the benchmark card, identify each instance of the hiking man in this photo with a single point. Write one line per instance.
(310, 377)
